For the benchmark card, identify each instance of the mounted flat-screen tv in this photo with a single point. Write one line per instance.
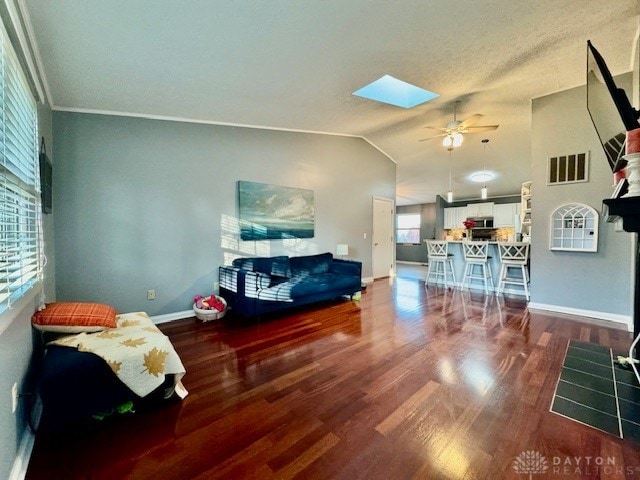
(609, 108)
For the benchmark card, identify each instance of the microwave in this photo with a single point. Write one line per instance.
(481, 222)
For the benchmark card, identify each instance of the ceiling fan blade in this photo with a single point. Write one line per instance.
(435, 128)
(431, 138)
(480, 128)
(470, 121)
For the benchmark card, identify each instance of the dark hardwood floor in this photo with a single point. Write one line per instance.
(406, 383)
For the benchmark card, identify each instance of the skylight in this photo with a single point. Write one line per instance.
(388, 89)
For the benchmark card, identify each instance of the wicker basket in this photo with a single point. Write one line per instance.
(208, 315)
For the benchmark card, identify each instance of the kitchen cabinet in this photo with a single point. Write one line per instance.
(504, 215)
(454, 216)
(482, 209)
(461, 216)
(449, 218)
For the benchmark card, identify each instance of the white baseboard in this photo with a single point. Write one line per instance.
(21, 462)
(170, 317)
(407, 262)
(479, 287)
(610, 317)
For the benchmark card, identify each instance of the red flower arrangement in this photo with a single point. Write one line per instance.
(469, 224)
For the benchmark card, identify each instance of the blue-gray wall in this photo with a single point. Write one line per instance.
(595, 283)
(150, 204)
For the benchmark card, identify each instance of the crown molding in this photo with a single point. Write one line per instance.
(169, 118)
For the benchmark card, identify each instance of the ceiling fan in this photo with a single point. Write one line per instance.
(452, 132)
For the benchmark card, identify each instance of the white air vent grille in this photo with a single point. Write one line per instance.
(571, 168)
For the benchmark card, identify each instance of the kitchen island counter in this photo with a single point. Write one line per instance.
(455, 248)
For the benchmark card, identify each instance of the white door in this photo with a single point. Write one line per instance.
(382, 237)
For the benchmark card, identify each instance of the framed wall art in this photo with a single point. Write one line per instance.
(269, 212)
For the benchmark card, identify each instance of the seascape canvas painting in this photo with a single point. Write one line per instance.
(274, 212)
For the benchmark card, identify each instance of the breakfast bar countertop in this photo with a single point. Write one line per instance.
(491, 242)
(459, 266)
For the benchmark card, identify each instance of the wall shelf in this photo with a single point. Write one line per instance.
(525, 210)
(629, 210)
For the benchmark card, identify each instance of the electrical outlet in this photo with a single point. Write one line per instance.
(151, 294)
(14, 398)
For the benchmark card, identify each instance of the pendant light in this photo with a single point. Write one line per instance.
(483, 190)
(450, 192)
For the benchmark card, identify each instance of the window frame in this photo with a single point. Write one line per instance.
(408, 229)
(21, 234)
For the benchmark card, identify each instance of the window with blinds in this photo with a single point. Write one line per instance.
(20, 225)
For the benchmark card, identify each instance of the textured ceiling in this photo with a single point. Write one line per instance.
(294, 65)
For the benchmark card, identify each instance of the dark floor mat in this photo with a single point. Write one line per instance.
(597, 392)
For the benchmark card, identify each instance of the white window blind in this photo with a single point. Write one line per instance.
(20, 222)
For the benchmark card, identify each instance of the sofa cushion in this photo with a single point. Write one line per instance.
(323, 282)
(273, 266)
(310, 264)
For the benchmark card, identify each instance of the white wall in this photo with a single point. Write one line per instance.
(599, 284)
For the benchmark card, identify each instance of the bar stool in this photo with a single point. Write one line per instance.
(514, 256)
(476, 254)
(439, 256)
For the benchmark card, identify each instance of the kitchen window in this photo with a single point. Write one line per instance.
(408, 228)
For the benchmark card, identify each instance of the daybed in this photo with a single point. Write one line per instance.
(125, 358)
(257, 285)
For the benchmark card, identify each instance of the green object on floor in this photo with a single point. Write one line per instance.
(126, 407)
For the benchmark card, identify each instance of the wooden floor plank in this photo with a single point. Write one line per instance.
(406, 383)
(407, 409)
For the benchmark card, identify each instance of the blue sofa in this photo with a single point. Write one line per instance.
(257, 285)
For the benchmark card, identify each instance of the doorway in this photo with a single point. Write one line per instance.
(383, 237)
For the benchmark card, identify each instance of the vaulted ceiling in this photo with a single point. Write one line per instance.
(294, 65)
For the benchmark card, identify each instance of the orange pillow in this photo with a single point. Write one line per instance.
(75, 317)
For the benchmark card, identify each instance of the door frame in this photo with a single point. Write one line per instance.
(392, 253)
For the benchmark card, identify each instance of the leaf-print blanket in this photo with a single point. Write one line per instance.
(137, 352)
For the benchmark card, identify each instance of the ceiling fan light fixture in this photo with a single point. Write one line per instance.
(447, 141)
(457, 139)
